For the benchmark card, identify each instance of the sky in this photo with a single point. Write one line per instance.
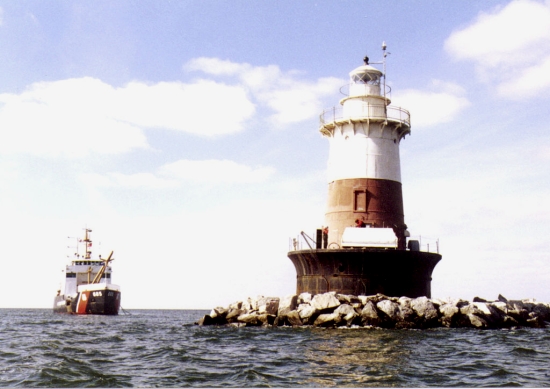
(185, 134)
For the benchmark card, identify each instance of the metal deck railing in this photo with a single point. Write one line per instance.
(366, 111)
(303, 241)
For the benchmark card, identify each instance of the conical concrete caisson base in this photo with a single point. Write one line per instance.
(364, 272)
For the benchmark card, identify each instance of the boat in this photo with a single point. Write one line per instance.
(88, 287)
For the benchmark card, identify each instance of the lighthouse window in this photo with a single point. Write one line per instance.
(366, 78)
(360, 201)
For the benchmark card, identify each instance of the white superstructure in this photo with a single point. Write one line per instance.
(83, 269)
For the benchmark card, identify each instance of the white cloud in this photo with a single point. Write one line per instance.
(82, 116)
(173, 174)
(528, 83)
(215, 66)
(76, 117)
(64, 118)
(291, 99)
(507, 45)
(202, 108)
(442, 103)
(215, 171)
(142, 180)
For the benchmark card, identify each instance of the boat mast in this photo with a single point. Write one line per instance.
(88, 243)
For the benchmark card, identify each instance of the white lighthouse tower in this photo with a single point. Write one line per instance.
(366, 249)
(364, 172)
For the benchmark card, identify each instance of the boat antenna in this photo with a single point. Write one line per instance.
(75, 254)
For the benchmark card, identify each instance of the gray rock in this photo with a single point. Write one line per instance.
(293, 319)
(217, 316)
(352, 318)
(405, 309)
(501, 306)
(235, 305)
(307, 313)
(534, 320)
(369, 315)
(390, 309)
(246, 306)
(438, 302)
(278, 321)
(324, 301)
(461, 303)
(407, 316)
(448, 313)
(266, 319)
(518, 311)
(347, 314)
(381, 297)
(253, 302)
(477, 321)
(206, 320)
(471, 309)
(250, 319)
(488, 316)
(327, 320)
(479, 300)
(218, 313)
(425, 310)
(233, 315)
(344, 309)
(352, 300)
(269, 305)
(484, 307)
(363, 299)
(542, 311)
(289, 303)
(283, 312)
(331, 309)
(517, 305)
(508, 322)
(304, 298)
(499, 315)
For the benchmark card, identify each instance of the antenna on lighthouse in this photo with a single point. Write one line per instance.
(384, 62)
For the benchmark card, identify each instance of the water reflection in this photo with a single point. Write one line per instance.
(357, 357)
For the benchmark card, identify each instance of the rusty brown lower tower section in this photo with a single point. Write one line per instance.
(378, 203)
(364, 272)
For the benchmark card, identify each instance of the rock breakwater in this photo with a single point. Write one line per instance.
(337, 310)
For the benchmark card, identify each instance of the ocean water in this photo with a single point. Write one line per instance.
(150, 348)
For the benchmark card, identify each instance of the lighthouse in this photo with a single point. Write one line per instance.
(367, 249)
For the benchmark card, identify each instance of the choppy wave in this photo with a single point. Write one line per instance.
(150, 348)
